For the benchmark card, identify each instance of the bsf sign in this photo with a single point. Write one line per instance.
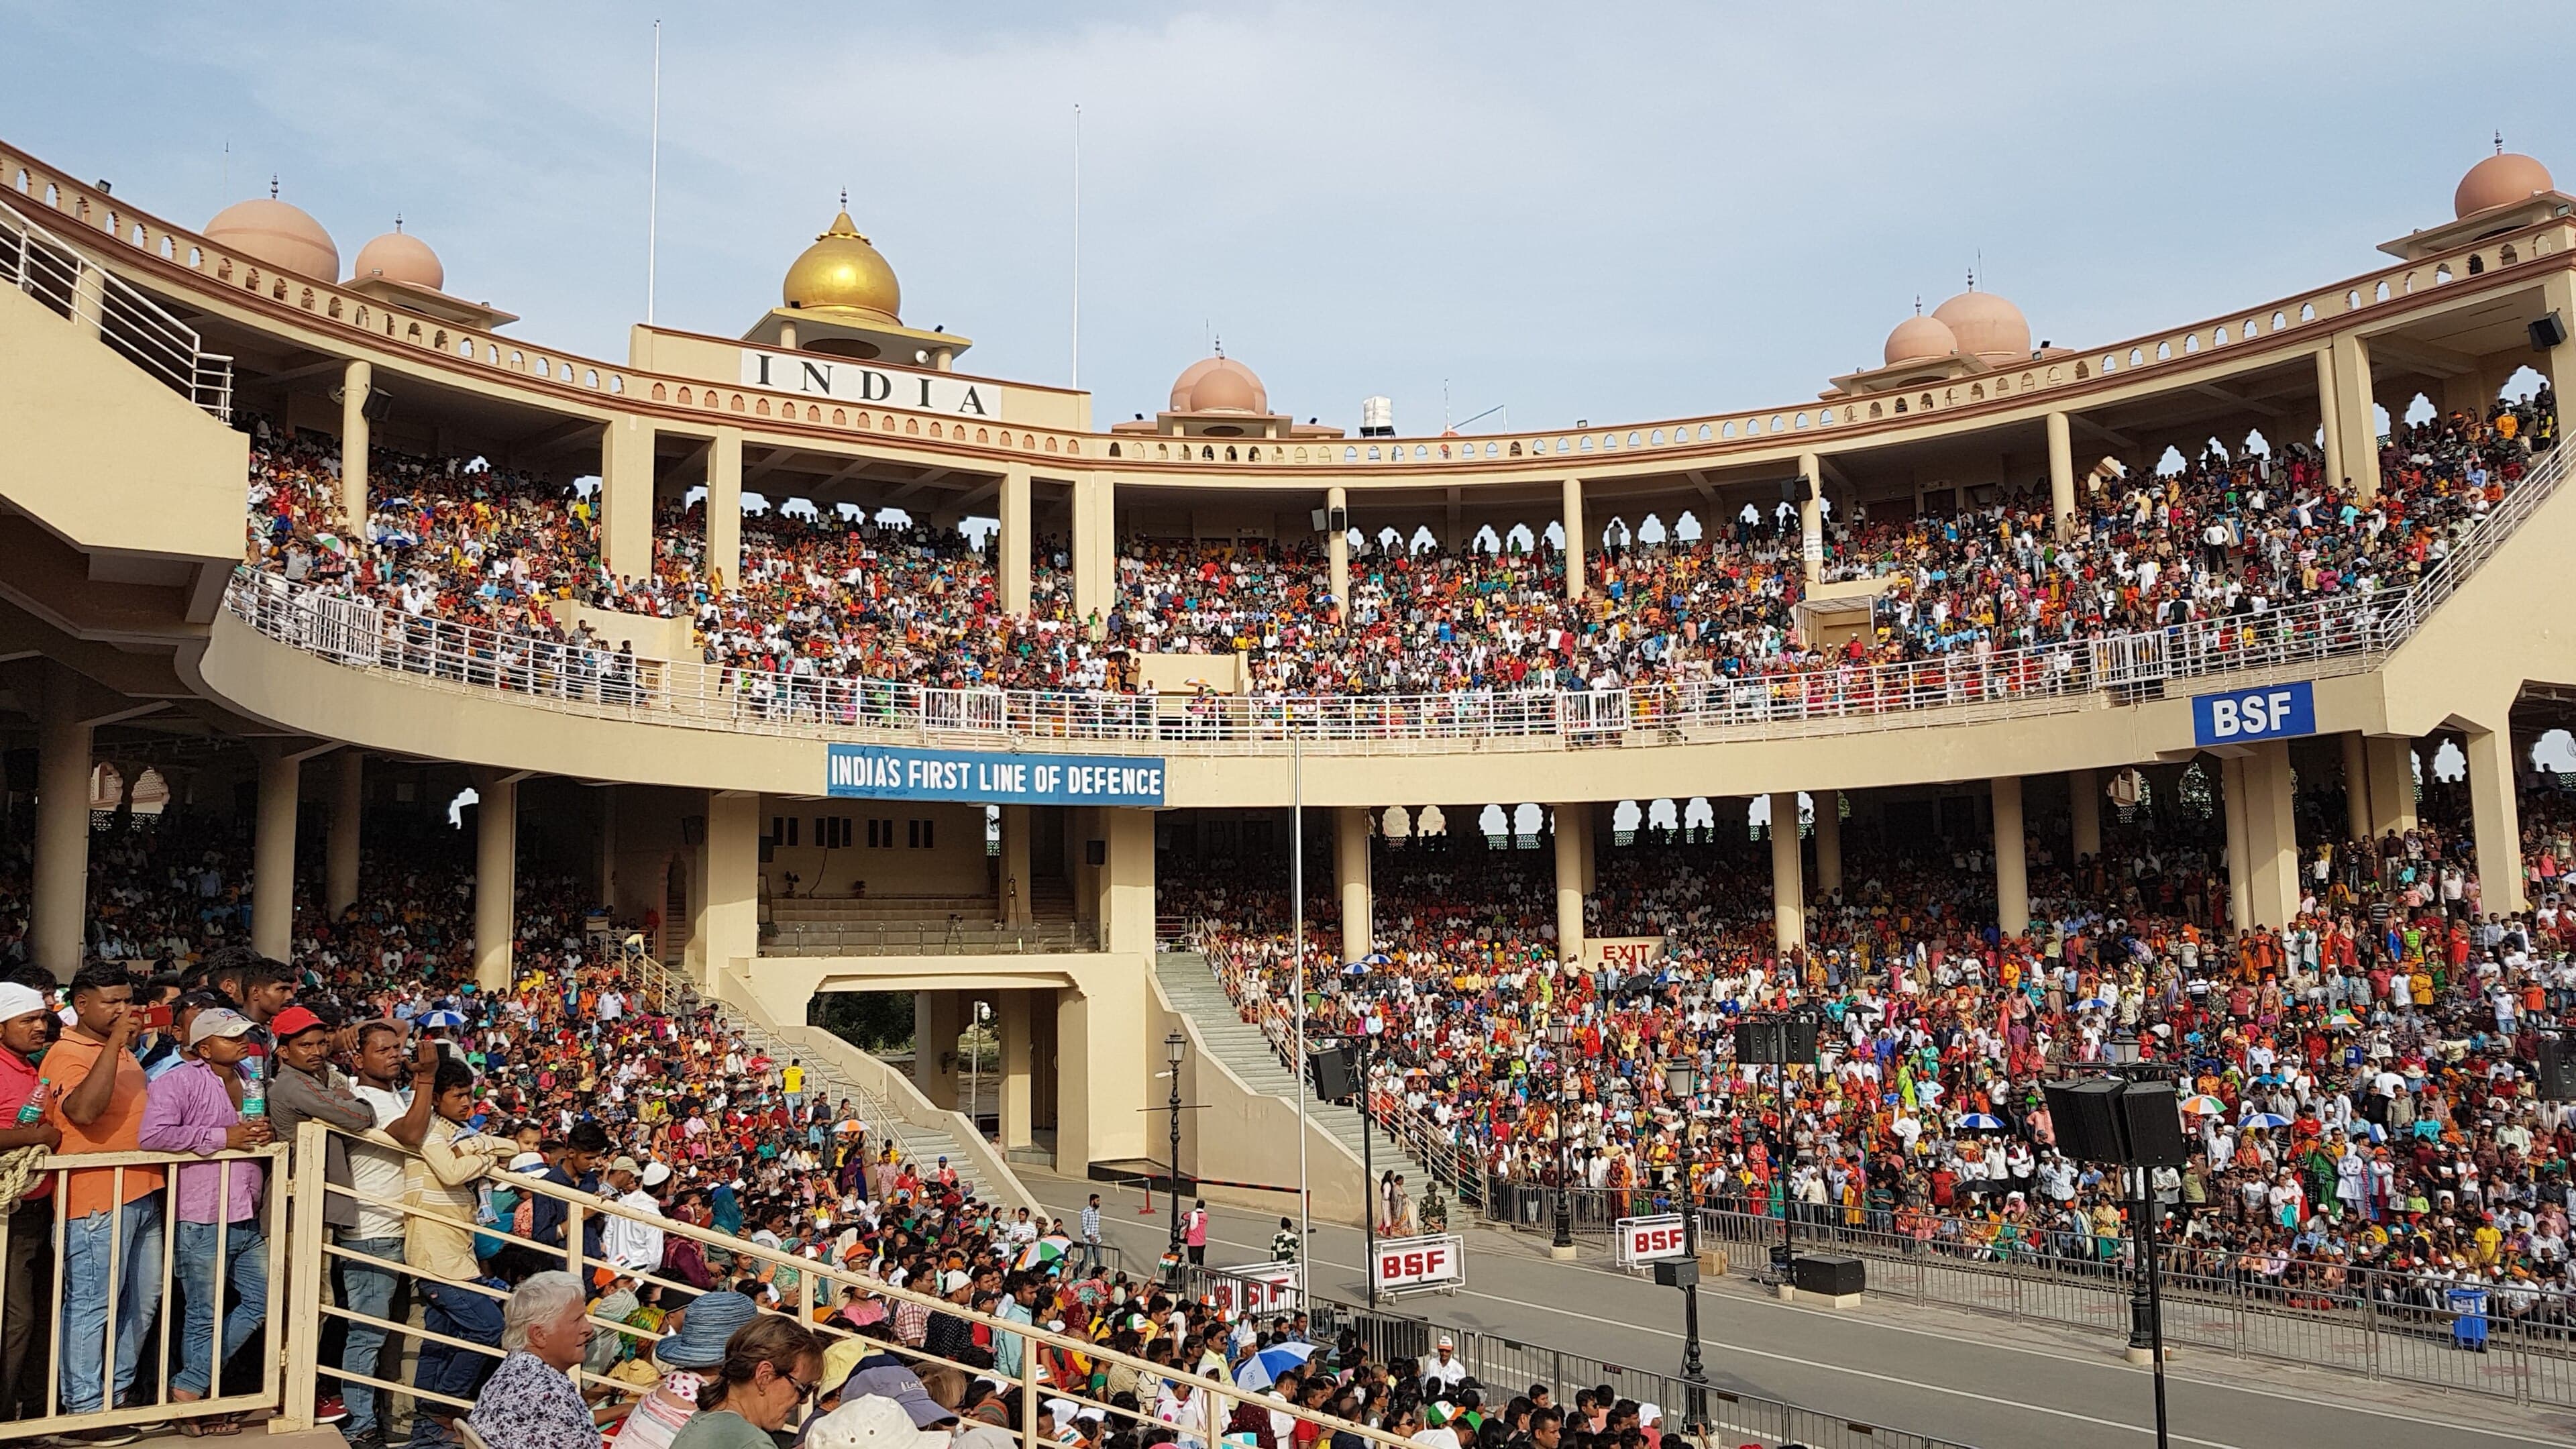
(1414, 1265)
(1648, 1240)
(2277, 713)
(1258, 1288)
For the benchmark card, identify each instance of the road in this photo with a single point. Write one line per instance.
(1968, 1377)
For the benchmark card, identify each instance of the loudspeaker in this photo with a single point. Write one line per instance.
(1793, 490)
(1829, 1273)
(2557, 1070)
(1095, 852)
(1337, 520)
(1802, 1039)
(2151, 1124)
(1336, 1072)
(1677, 1273)
(2086, 1116)
(1762, 1041)
(2548, 332)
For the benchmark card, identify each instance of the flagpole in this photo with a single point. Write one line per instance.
(1076, 380)
(653, 185)
(1297, 940)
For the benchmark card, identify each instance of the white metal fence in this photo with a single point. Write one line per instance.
(67, 283)
(2310, 640)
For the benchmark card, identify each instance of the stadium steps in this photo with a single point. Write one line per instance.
(1191, 985)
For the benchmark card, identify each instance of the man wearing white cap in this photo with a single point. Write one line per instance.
(1444, 1371)
(630, 1244)
(27, 1270)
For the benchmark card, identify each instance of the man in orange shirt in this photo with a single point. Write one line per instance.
(108, 1212)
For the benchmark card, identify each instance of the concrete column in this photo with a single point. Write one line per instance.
(1829, 840)
(1127, 883)
(1015, 1023)
(348, 804)
(2496, 819)
(2061, 474)
(732, 854)
(2557, 294)
(626, 497)
(1095, 553)
(2392, 784)
(1337, 548)
(1574, 547)
(357, 381)
(2270, 832)
(272, 902)
(496, 876)
(2084, 804)
(1788, 885)
(60, 913)
(2012, 859)
(1014, 904)
(724, 505)
(2329, 423)
(2356, 786)
(2240, 856)
(1351, 875)
(1014, 544)
(2354, 413)
(1811, 517)
(1569, 885)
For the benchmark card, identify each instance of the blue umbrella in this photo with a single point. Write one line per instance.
(1981, 1122)
(2267, 1119)
(1264, 1368)
(443, 1017)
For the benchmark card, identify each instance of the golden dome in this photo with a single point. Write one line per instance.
(268, 230)
(1987, 326)
(2499, 180)
(398, 256)
(841, 272)
(1919, 339)
(1219, 385)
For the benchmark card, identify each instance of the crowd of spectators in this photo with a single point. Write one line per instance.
(836, 595)
(2362, 1084)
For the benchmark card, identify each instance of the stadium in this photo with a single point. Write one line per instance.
(905, 921)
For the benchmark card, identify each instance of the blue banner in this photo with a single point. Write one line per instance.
(2279, 712)
(888, 772)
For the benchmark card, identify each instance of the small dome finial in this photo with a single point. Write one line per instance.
(1220, 347)
(272, 186)
(845, 198)
(397, 221)
(2499, 142)
(1918, 304)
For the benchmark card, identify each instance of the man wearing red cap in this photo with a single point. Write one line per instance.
(308, 1088)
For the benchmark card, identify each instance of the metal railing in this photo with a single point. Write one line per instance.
(125, 1298)
(2339, 635)
(67, 283)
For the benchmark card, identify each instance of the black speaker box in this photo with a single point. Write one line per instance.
(1831, 1273)
(1337, 520)
(1802, 1040)
(1762, 1042)
(2087, 1121)
(2151, 1123)
(2557, 1070)
(2548, 332)
(1336, 1072)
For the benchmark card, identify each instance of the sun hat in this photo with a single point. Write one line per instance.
(872, 1422)
(706, 1325)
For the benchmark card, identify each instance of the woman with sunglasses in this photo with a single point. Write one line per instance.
(773, 1367)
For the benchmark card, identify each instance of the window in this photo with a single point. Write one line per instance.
(880, 835)
(832, 832)
(782, 829)
(918, 834)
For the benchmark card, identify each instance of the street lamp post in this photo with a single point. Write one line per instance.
(1370, 1026)
(2137, 1184)
(1175, 1048)
(1681, 1085)
(1560, 1035)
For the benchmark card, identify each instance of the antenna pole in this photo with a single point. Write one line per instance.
(1077, 244)
(653, 185)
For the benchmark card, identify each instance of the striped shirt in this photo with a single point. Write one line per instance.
(1091, 1223)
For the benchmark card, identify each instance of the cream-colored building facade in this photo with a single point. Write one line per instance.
(121, 495)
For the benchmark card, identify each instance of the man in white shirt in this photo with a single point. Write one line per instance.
(1441, 1376)
(386, 1083)
(631, 1245)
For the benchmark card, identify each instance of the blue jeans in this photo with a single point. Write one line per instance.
(369, 1290)
(243, 1251)
(86, 1293)
(455, 1372)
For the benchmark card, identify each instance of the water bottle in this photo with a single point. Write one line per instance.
(34, 1108)
(254, 1075)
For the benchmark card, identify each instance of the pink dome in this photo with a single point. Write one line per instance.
(2499, 180)
(268, 230)
(398, 256)
(1219, 385)
(1919, 339)
(1986, 325)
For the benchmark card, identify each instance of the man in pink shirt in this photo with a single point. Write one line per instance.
(197, 1108)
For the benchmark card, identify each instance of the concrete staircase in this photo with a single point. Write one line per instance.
(1191, 984)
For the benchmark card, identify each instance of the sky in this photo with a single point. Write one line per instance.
(1611, 213)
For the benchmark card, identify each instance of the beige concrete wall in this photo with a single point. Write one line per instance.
(107, 457)
(651, 638)
(719, 360)
(1232, 1133)
(1183, 674)
(954, 864)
